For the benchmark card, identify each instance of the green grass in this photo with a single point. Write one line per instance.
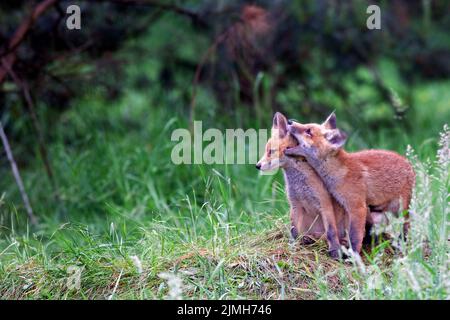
(137, 225)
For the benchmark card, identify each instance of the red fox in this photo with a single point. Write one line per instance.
(378, 178)
(313, 211)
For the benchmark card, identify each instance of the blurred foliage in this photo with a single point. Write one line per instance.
(230, 62)
(108, 96)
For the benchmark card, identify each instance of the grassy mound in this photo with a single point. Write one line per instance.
(142, 228)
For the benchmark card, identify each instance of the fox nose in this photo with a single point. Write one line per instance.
(258, 166)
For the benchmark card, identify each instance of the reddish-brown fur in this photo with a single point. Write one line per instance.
(377, 178)
(313, 211)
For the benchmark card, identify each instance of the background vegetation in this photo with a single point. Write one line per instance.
(89, 116)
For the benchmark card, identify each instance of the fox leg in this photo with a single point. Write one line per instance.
(310, 228)
(295, 215)
(368, 236)
(331, 231)
(333, 241)
(295, 151)
(357, 225)
(301, 225)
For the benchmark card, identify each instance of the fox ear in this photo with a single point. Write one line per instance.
(280, 123)
(336, 138)
(330, 123)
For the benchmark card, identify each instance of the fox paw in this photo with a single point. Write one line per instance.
(295, 151)
(335, 254)
(294, 232)
(306, 240)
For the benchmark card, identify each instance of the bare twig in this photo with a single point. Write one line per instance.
(30, 104)
(385, 92)
(116, 285)
(199, 69)
(21, 34)
(160, 4)
(17, 177)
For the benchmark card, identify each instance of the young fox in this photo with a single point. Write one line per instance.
(313, 211)
(377, 178)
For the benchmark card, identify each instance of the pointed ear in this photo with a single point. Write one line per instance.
(336, 137)
(280, 123)
(330, 123)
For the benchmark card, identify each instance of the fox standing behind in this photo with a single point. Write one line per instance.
(313, 211)
(376, 178)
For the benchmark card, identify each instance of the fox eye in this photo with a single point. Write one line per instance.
(271, 151)
(308, 132)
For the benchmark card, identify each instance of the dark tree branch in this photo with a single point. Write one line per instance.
(207, 55)
(16, 175)
(9, 59)
(30, 104)
(165, 6)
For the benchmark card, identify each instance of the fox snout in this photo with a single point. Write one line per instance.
(258, 166)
